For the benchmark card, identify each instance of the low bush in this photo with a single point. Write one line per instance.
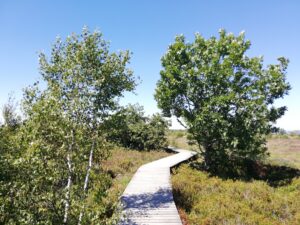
(211, 200)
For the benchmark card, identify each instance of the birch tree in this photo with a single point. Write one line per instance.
(83, 83)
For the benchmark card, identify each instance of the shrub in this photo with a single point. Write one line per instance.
(130, 128)
(211, 200)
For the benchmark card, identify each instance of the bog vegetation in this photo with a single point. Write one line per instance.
(204, 199)
(70, 155)
(269, 194)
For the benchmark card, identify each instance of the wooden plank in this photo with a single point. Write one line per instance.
(148, 198)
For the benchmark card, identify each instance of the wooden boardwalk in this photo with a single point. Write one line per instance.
(148, 198)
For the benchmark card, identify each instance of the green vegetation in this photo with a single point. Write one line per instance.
(178, 139)
(51, 161)
(283, 149)
(225, 98)
(130, 128)
(269, 195)
(69, 157)
(64, 128)
(210, 200)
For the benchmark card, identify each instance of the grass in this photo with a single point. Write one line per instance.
(178, 139)
(121, 166)
(284, 150)
(204, 199)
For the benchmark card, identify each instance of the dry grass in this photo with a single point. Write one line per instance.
(284, 151)
(120, 157)
(178, 139)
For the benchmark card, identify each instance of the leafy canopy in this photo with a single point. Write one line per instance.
(130, 128)
(224, 97)
(86, 76)
(53, 158)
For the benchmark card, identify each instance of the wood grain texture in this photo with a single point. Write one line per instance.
(148, 198)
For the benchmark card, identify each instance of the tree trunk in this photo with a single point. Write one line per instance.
(86, 181)
(208, 157)
(69, 183)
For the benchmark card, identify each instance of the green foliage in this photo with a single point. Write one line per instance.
(11, 119)
(211, 200)
(10, 172)
(225, 97)
(61, 142)
(130, 128)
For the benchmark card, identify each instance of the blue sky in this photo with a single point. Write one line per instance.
(146, 28)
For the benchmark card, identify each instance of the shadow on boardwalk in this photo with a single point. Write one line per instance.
(146, 201)
(141, 204)
(148, 198)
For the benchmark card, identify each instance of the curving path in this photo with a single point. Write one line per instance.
(148, 198)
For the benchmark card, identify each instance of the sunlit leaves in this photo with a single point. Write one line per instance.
(130, 128)
(63, 125)
(225, 97)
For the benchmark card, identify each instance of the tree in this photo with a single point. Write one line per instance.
(11, 119)
(9, 170)
(62, 139)
(130, 128)
(224, 97)
(85, 79)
